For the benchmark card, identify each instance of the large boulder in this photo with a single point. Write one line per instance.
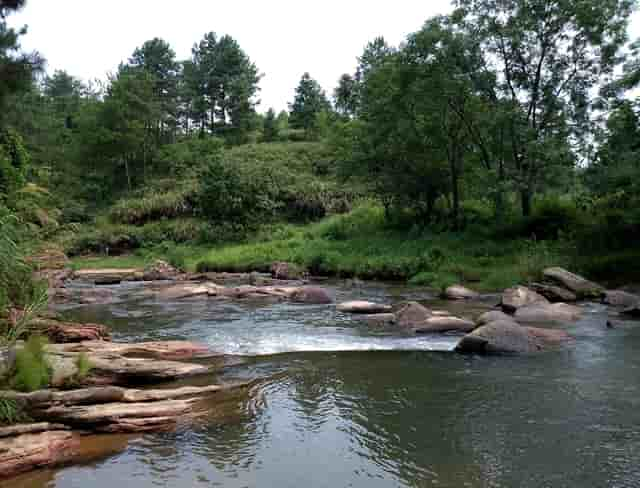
(361, 307)
(518, 297)
(502, 337)
(582, 287)
(554, 293)
(541, 313)
(311, 295)
(619, 298)
(507, 337)
(459, 292)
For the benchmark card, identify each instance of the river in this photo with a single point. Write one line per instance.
(347, 406)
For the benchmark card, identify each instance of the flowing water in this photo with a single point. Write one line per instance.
(347, 406)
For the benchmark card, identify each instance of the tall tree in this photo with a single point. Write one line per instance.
(309, 101)
(158, 59)
(548, 55)
(224, 83)
(16, 67)
(345, 96)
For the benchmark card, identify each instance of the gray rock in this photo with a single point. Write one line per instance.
(411, 315)
(493, 316)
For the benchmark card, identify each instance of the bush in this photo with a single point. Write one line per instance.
(32, 371)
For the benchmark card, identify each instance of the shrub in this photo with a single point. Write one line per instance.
(32, 371)
(10, 412)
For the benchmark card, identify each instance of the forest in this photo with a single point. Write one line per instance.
(496, 140)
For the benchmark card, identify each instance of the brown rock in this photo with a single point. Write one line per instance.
(582, 287)
(68, 332)
(458, 292)
(518, 297)
(38, 450)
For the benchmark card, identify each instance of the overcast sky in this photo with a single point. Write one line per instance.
(284, 38)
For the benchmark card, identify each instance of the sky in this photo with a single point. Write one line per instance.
(284, 38)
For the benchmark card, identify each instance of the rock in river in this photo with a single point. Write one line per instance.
(493, 316)
(311, 295)
(360, 307)
(576, 283)
(554, 293)
(518, 297)
(541, 313)
(458, 292)
(507, 337)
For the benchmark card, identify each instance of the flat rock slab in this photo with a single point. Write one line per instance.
(69, 332)
(362, 307)
(582, 287)
(172, 350)
(26, 452)
(107, 273)
(556, 313)
(518, 297)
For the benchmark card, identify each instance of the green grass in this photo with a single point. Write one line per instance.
(362, 244)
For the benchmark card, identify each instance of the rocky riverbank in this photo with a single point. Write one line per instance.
(129, 387)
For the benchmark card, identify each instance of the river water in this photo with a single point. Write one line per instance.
(347, 406)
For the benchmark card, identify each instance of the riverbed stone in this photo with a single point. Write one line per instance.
(459, 292)
(619, 298)
(582, 287)
(311, 295)
(363, 307)
(541, 313)
(518, 297)
(554, 293)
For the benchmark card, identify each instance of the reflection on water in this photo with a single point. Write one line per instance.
(383, 418)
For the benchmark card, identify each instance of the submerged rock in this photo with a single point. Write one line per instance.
(459, 292)
(548, 313)
(619, 298)
(582, 287)
(554, 293)
(361, 307)
(518, 297)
